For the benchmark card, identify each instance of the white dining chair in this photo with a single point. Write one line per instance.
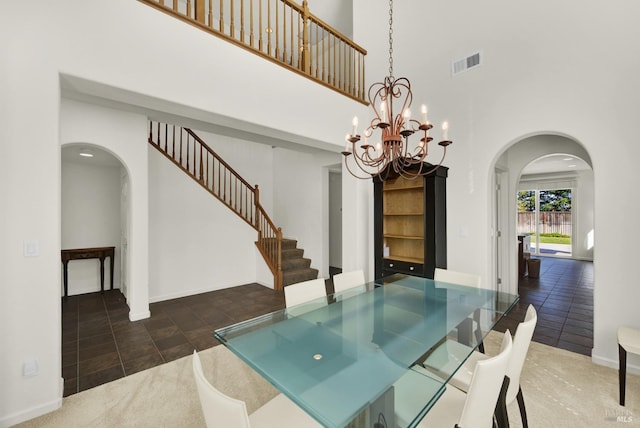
(346, 280)
(221, 410)
(521, 342)
(476, 407)
(628, 341)
(470, 280)
(302, 292)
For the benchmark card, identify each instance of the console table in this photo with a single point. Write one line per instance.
(88, 253)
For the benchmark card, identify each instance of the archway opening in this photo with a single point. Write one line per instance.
(545, 168)
(95, 215)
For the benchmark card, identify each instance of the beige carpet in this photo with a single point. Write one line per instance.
(561, 389)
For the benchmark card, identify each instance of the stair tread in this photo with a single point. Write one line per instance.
(289, 264)
(299, 275)
(292, 253)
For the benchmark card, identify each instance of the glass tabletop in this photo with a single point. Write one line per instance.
(356, 357)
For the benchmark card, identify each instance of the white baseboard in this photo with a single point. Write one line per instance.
(185, 293)
(31, 413)
(613, 363)
(139, 315)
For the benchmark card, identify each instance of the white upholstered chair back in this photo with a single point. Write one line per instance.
(485, 387)
(453, 277)
(521, 342)
(346, 280)
(219, 409)
(302, 292)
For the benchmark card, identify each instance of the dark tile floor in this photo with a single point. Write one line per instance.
(100, 344)
(563, 297)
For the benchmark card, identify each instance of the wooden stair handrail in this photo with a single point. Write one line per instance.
(222, 161)
(194, 157)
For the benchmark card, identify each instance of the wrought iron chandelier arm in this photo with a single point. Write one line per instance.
(346, 163)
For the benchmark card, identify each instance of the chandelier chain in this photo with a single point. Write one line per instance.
(391, 39)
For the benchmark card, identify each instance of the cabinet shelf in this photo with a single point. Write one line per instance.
(412, 187)
(403, 214)
(405, 259)
(404, 237)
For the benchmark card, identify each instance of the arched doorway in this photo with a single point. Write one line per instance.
(95, 213)
(92, 202)
(563, 292)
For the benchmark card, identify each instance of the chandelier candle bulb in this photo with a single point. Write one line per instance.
(347, 145)
(354, 122)
(407, 117)
(423, 111)
(445, 131)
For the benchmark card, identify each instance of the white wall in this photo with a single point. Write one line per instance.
(90, 218)
(196, 243)
(301, 203)
(548, 68)
(335, 219)
(339, 13)
(585, 227)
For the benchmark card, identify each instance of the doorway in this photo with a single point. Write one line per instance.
(335, 220)
(540, 169)
(546, 218)
(93, 182)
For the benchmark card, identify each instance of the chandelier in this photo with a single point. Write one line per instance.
(392, 154)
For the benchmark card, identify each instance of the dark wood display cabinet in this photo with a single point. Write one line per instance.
(410, 224)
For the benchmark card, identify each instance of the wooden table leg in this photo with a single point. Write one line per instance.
(111, 271)
(65, 274)
(102, 274)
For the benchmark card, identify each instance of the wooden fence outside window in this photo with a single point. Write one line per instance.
(550, 222)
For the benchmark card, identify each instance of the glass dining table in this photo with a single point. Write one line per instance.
(357, 358)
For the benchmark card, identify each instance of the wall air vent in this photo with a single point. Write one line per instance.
(465, 64)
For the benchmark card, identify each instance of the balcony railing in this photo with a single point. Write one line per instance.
(281, 31)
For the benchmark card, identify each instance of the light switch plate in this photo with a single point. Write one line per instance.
(30, 368)
(31, 248)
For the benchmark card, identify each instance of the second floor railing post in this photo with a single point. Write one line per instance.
(200, 14)
(306, 54)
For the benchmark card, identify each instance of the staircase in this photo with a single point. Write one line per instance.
(295, 268)
(193, 156)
